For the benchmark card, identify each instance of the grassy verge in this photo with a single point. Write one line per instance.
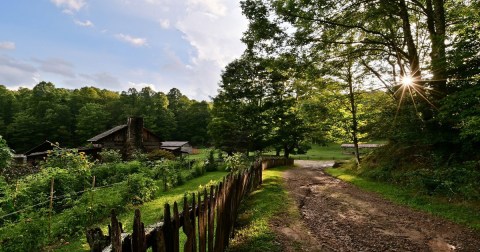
(152, 211)
(261, 207)
(464, 213)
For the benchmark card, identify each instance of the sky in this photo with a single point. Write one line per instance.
(119, 44)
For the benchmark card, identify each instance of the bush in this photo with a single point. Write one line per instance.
(168, 172)
(35, 189)
(115, 172)
(110, 156)
(236, 162)
(69, 159)
(30, 234)
(140, 189)
(210, 163)
(198, 169)
(160, 154)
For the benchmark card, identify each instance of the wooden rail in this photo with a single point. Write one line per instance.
(207, 220)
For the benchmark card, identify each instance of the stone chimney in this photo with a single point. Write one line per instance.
(134, 140)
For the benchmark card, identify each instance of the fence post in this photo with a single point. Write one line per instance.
(211, 218)
(167, 228)
(138, 235)
(187, 226)
(202, 226)
(176, 228)
(116, 233)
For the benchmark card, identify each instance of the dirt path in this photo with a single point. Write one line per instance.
(341, 217)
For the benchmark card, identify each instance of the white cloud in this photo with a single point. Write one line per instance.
(70, 5)
(215, 7)
(56, 66)
(15, 73)
(216, 38)
(7, 45)
(132, 40)
(86, 23)
(164, 23)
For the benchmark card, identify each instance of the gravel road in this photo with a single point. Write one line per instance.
(341, 217)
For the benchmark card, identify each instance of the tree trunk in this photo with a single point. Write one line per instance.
(412, 49)
(435, 11)
(353, 109)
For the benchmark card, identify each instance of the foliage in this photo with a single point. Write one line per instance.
(5, 154)
(110, 156)
(160, 154)
(35, 189)
(210, 163)
(199, 169)
(140, 189)
(69, 159)
(110, 173)
(236, 162)
(30, 234)
(257, 106)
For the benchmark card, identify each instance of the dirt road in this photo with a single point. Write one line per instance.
(341, 217)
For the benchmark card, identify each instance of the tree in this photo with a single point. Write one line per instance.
(239, 123)
(92, 120)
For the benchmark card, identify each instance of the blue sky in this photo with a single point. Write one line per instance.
(118, 44)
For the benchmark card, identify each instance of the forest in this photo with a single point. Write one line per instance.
(28, 117)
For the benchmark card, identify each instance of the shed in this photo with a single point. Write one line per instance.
(177, 147)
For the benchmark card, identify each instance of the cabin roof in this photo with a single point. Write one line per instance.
(46, 145)
(361, 145)
(174, 144)
(107, 133)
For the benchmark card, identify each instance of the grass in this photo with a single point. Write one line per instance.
(151, 212)
(330, 151)
(463, 213)
(257, 212)
(202, 154)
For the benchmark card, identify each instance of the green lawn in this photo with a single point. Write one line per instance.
(152, 211)
(202, 155)
(464, 213)
(331, 151)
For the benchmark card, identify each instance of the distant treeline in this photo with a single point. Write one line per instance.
(30, 116)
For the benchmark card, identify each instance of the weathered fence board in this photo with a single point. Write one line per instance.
(208, 223)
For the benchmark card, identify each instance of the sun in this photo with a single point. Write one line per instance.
(407, 80)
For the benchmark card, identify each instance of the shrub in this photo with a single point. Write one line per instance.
(69, 159)
(30, 234)
(160, 154)
(210, 163)
(140, 189)
(114, 172)
(6, 154)
(236, 162)
(110, 156)
(198, 169)
(35, 188)
(168, 172)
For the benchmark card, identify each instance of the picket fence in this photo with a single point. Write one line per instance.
(207, 220)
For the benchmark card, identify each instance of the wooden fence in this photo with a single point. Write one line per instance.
(207, 219)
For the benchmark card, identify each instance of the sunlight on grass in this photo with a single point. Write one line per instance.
(254, 232)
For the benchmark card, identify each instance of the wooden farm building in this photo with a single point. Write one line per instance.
(177, 147)
(127, 137)
(40, 152)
